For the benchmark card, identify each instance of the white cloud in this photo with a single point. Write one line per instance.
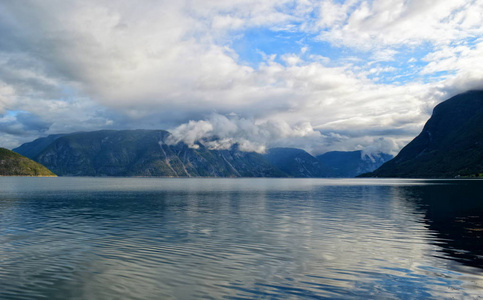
(384, 55)
(157, 64)
(6, 97)
(333, 14)
(454, 58)
(381, 145)
(220, 132)
(383, 23)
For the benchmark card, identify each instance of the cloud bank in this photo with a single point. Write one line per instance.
(219, 132)
(328, 75)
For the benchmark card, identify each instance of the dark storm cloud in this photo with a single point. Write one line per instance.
(31, 122)
(23, 123)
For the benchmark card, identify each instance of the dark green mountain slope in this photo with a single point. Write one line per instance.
(450, 144)
(352, 163)
(297, 163)
(14, 164)
(143, 153)
(32, 149)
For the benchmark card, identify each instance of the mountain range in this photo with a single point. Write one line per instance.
(450, 145)
(146, 153)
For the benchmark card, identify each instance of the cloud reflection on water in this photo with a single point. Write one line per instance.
(229, 238)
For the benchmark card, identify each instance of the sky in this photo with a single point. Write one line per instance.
(319, 75)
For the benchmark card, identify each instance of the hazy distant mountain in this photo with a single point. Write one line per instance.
(14, 164)
(450, 144)
(297, 163)
(142, 153)
(32, 149)
(352, 163)
(145, 153)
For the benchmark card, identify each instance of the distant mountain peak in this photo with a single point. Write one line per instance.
(353, 163)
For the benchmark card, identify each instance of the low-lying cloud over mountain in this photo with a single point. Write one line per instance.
(219, 132)
(327, 75)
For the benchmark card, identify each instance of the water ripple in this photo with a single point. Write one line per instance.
(276, 239)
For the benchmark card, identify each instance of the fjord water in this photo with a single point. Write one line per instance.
(154, 238)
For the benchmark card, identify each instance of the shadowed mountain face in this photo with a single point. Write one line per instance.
(143, 153)
(297, 163)
(352, 163)
(14, 164)
(33, 148)
(450, 144)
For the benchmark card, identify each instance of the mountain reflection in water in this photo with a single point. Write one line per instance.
(454, 211)
(142, 238)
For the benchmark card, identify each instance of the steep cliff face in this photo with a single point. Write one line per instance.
(450, 144)
(14, 164)
(143, 153)
(352, 163)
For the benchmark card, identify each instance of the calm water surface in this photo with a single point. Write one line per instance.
(142, 238)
